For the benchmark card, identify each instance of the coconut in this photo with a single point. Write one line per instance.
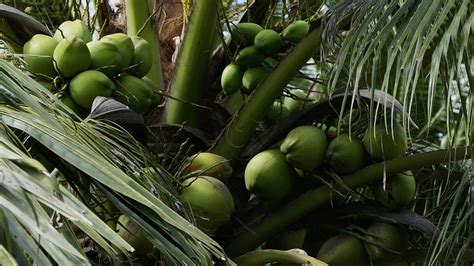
(305, 147)
(208, 164)
(297, 101)
(268, 41)
(131, 233)
(105, 57)
(287, 240)
(142, 58)
(269, 176)
(400, 190)
(124, 45)
(133, 92)
(231, 79)
(382, 145)
(245, 33)
(72, 56)
(38, 52)
(69, 102)
(345, 154)
(252, 77)
(343, 250)
(76, 28)
(236, 100)
(210, 200)
(388, 237)
(248, 57)
(156, 97)
(296, 31)
(278, 111)
(88, 85)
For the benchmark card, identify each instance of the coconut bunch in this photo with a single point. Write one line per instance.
(114, 66)
(257, 46)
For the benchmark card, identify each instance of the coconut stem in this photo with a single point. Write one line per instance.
(191, 70)
(240, 131)
(138, 17)
(311, 200)
(263, 257)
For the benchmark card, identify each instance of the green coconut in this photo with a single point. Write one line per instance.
(69, 102)
(156, 96)
(245, 33)
(124, 45)
(269, 176)
(343, 250)
(231, 79)
(208, 164)
(210, 201)
(87, 85)
(304, 147)
(278, 111)
(132, 233)
(297, 101)
(399, 191)
(142, 58)
(133, 92)
(287, 240)
(76, 28)
(390, 241)
(345, 154)
(248, 57)
(296, 31)
(252, 77)
(38, 52)
(72, 56)
(236, 100)
(383, 143)
(268, 41)
(105, 57)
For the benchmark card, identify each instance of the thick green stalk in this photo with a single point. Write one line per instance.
(262, 257)
(311, 200)
(240, 131)
(138, 15)
(191, 70)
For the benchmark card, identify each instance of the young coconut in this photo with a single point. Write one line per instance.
(305, 147)
(399, 192)
(124, 45)
(252, 77)
(72, 56)
(69, 102)
(38, 52)
(208, 164)
(131, 233)
(269, 176)
(248, 57)
(105, 57)
(296, 31)
(297, 101)
(245, 33)
(76, 28)
(88, 85)
(133, 92)
(231, 79)
(278, 111)
(142, 58)
(382, 145)
(345, 154)
(287, 240)
(390, 239)
(210, 200)
(268, 41)
(236, 100)
(343, 250)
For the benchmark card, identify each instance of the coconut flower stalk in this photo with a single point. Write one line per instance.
(313, 199)
(240, 131)
(139, 23)
(191, 70)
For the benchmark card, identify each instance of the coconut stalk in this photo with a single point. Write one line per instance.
(191, 70)
(240, 131)
(313, 199)
(139, 23)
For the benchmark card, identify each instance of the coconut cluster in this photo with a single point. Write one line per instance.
(258, 46)
(114, 66)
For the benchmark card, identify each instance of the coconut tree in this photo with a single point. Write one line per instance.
(362, 67)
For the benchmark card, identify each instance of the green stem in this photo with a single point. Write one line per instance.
(262, 257)
(311, 200)
(191, 70)
(240, 131)
(138, 14)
